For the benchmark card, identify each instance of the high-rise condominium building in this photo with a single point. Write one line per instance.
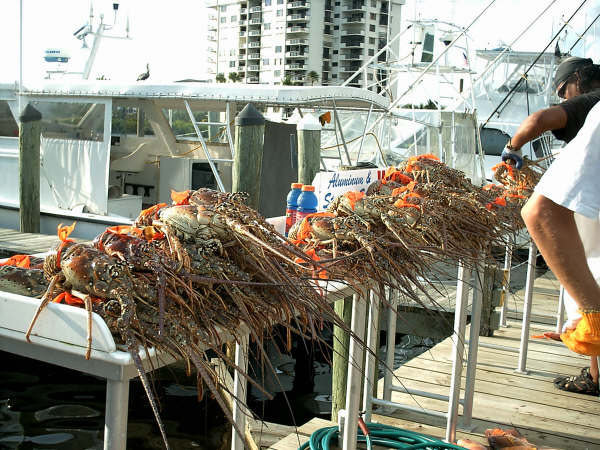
(301, 41)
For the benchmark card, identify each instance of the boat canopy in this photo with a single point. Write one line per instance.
(215, 95)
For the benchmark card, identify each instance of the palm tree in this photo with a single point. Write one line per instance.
(220, 78)
(234, 77)
(287, 81)
(313, 77)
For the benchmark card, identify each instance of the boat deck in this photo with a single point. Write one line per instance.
(546, 416)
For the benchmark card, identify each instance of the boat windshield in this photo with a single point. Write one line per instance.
(72, 120)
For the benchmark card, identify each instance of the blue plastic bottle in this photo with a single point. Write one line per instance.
(307, 202)
(292, 206)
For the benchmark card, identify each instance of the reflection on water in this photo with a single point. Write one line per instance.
(49, 407)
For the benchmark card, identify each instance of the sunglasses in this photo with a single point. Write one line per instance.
(560, 91)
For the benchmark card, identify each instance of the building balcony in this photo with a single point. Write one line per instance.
(244, 11)
(252, 80)
(297, 30)
(295, 54)
(353, 20)
(254, 33)
(255, 9)
(298, 78)
(254, 45)
(242, 56)
(242, 22)
(354, 6)
(212, 38)
(212, 27)
(253, 56)
(352, 56)
(242, 34)
(295, 67)
(255, 21)
(353, 44)
(353, 33)
(295, 17)
(349, 69)
(254, 68)
(210, 3)
(296, 42)
(299, 5)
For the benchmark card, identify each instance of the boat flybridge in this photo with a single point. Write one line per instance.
(108, 150)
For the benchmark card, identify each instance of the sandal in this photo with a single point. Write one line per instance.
(580, 384)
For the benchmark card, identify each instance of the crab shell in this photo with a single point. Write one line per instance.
(194, 223)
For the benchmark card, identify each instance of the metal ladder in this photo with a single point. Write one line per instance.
(211, 161)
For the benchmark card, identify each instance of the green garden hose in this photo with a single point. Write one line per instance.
(378, 434)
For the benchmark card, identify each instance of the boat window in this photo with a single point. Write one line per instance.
(493, 141)
(8, 124)
(125, 121)
(183, 129)
(62, 120)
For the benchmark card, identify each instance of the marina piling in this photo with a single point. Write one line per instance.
(247, 162)
(341, 343)
(309, 148)
(29, 170)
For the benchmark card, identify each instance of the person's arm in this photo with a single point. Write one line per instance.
(553, 118)
(554, 231)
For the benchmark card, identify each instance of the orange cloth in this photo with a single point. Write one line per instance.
(585, 338)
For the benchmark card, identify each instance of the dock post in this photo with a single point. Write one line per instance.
(527, 304)
(371, 352)
(355, 369)
(29, 170)
(309, 148)
(247, 162)
(460, 320)
(339, 367)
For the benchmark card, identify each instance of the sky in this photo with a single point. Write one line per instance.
(171, 35)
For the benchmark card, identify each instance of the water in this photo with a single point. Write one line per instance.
(43, 406)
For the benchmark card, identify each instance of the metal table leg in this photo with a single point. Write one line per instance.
(370, 375)
(506, 283)
(473, 345)
(390, 346)
(527, 303)
(560, 314)
(115, 419)
(460, 320)
(240, 393)
(355, 367)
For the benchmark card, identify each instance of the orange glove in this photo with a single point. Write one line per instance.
(585, 338)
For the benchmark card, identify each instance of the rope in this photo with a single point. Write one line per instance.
(383, 435)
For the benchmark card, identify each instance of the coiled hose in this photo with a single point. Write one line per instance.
(378, 434)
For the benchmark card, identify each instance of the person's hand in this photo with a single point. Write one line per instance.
(570, 325)
(513, 156)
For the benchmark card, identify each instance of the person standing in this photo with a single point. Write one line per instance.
(562, 217)
(577, 81)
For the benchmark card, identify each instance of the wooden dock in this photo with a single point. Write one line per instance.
(14, 242)
(546, 416)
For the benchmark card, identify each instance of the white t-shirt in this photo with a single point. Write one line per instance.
(573, 181)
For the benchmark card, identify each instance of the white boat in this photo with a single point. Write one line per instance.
(108, 150)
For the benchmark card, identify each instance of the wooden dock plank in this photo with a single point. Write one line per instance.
(503, 398)
(14, 242)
